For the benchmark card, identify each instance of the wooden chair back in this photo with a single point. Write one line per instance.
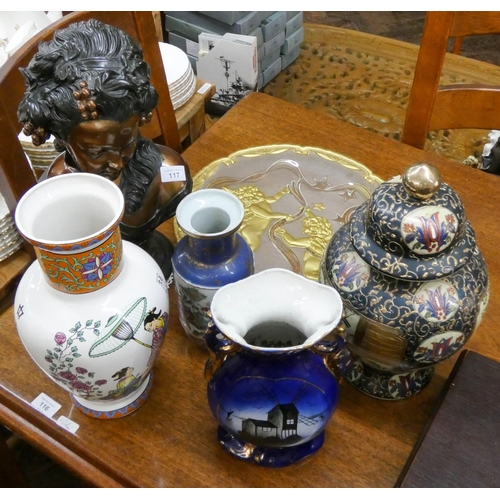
(16, 176)
(464, 106)
(472, 23)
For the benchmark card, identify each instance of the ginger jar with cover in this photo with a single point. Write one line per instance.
(413, 282)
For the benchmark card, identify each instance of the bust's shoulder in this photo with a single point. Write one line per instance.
(57, 167)
(170, 156)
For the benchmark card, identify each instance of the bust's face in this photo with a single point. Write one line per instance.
(103, 147)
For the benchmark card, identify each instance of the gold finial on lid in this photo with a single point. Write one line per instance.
(421, 181)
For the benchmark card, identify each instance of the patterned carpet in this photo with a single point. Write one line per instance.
(404, 26)
(346, 72)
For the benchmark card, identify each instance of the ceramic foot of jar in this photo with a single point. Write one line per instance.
(268, 457)
(384, 385)
(116, 409)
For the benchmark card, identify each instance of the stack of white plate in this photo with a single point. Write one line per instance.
(10, 239)
(40, 157)
(179, 72)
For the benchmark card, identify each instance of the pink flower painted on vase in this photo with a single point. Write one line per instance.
(67, 375)
(63, 356)
(81, 386)
(60, 338)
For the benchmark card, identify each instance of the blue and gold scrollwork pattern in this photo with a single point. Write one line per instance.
(413, 282)
(396, 259)
(419, 310)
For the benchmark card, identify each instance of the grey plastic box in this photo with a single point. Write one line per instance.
(265, 62)
(264, 15)
(258, 34)
(185, 44)
(185, 28)
(275, 42)
(293, 41)
(290, 14)
(272, 25)
(294, 24)
(225, 16)
(193, 60)
(247, 24)
(202, 23)
(260, 53)
(287, 59)
(272, 71)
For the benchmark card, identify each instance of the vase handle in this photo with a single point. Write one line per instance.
(219, 346)
(216, 341)
(330, 350)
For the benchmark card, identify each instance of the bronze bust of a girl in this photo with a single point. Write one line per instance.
(89, 87)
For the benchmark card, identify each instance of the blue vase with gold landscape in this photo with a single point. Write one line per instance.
(270, 387)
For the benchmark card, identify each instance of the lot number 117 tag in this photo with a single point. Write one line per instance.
(173, 173)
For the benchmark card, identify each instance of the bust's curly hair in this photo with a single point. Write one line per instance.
(108, 62)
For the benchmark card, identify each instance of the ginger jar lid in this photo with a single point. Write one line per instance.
(413, 227)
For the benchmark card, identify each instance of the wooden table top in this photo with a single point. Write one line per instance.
(171, 440)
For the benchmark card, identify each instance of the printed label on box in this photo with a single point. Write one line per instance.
(204, 88)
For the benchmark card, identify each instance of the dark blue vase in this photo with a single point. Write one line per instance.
(269, 385)
(209, 256)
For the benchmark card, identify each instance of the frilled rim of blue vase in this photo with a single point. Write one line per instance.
(276, 295)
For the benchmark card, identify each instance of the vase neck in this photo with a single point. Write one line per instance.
(216, 249)
(83, 268)
(72, 222)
